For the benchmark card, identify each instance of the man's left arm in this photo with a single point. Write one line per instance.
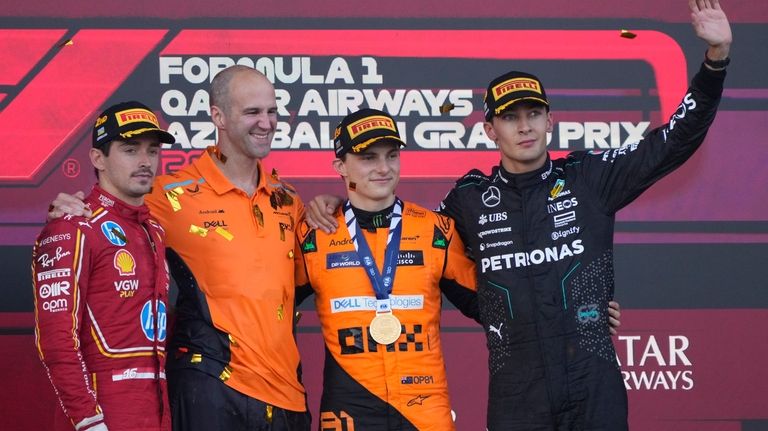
(619, 176)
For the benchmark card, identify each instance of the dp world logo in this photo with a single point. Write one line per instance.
(492, 197)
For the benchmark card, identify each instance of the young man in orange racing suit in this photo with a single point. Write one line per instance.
(101, 286)
(391, 263)
(552, 364)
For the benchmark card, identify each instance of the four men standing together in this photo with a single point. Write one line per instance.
(232, 360)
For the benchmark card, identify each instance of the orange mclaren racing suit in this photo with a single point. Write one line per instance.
(400, 386)
(232, 257)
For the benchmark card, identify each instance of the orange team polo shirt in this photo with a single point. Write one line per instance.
(240, 252)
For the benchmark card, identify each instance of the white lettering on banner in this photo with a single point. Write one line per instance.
(534, 257)
(597, 135)
(310, 88)
(368, 303)
(649, 359)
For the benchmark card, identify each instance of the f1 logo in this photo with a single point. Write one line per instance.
(83, 76)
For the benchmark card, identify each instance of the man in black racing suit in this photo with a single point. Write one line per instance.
(541, 232)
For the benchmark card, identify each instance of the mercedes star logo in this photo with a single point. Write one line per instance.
(492, 197)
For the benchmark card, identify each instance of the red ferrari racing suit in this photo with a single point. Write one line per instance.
(101, 289)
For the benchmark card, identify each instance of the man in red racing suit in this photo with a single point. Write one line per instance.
(101, 287)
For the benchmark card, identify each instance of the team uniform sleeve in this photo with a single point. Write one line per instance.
(300, 274)
(60, 264)
(619, 176)
(458, 281)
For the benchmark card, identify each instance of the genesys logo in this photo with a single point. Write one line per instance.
(320, 77)
(655, 362)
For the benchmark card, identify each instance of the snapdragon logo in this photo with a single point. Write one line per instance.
(534, 257)
(655, 363)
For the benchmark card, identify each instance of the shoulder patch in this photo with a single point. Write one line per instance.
(443, 222)
(475, 176)
(309, 242)
(439, 240)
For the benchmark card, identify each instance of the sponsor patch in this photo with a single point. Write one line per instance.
(513, 85)
(564, 219)
(368, 303)
(54, 273)
(148, 320)
(47, 260)
(136, 116)
(491, 197)
(124, 262)
(52, 290)
(410, 258)
(126, 288)
(417, 380)
(493, 232)
(370, 123)
(106, 201)
(342, 259)
(55, 238)
(56, 305)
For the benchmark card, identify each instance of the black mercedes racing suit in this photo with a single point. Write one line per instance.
(543, 245)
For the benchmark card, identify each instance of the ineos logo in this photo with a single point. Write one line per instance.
(492, 197)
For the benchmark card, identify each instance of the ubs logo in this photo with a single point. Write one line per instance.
(492, 197)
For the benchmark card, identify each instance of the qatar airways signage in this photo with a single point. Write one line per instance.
(320, 76)
(655, 362)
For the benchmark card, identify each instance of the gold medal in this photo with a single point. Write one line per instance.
(385, 328)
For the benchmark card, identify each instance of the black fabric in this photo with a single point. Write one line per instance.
(200, 402)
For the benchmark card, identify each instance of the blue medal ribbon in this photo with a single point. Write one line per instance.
(382, 282)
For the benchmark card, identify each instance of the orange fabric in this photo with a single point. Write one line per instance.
(344, 294)
(242, 260)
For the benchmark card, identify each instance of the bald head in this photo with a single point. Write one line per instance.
(221, 85)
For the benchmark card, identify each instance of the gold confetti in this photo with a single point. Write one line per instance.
(197, 230)
(259, 215)
(173, 198)
(226, 373)
(446, 108)
(232, 340)
(67, 42)
(627, 34)
(290, 254)
(196, 358)
(269, 413)
(225, 233)
(280, 312)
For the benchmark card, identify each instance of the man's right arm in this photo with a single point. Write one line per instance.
(60, 265)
